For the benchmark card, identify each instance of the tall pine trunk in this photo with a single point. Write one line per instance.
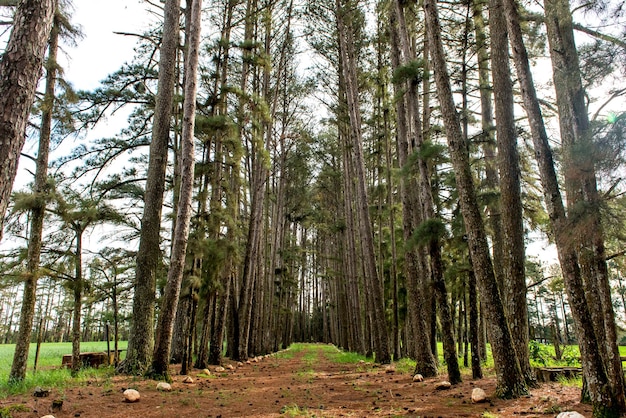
(602, 398)
(514, 285)
(141, 337)
(20, 358)
(583, 200)
(509, 375)
(372, 279)
(426, 364)
(160, 362)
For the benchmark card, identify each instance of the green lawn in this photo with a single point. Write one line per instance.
(49, 368)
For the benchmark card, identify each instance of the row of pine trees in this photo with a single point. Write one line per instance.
(361, 173)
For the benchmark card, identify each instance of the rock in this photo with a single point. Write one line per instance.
(131, 395)
(248, 362)
(48, 416)
(361, 361)
(570, 414)
(443, 385)
(230, 367)
(478, 395)
(207, 372)
(188, 379)
(41, 393)
(239, 364)
(418, 378)
(256, 359)
(219, 369)
(164, 386)
(390, 369)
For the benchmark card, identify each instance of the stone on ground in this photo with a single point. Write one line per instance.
(479, 395)
(418, 378)
(390, 369)
(230, 367)
(219, 369)
(164, 386)
(207, 372)
(443, 385)
(48, 416)
(188, 379)
(131, 395)
(570, 414)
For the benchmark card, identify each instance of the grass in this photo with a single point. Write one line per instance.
(49, 372)
(295, 411)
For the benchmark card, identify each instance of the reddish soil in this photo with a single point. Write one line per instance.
(297, 386)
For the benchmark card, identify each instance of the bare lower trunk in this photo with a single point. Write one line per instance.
(511, 382)
(20, 358)
(371, 279)
(602, 398)
(160, 362)
(141, 339)
(514, 285)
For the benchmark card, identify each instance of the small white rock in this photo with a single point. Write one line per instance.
(188, 379)
(131, 395)
(230, 367)
(390, 369)
(418, 378)
(48, 416)
(219, 369)
(570, 414)
(164, 386)
(207, 372)
(248, 362)
(443, 385)
(239, 364)
(478, 395)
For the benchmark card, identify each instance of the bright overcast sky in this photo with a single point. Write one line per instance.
(101, 51)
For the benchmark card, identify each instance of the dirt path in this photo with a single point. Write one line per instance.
(310, 382)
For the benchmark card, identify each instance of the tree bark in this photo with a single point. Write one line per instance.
(160, 363)
(372, 280)
(601, 396)
(426, 364)
(20, 68)
(20, 358)
(141, 337)
(77, 290)
(514, 285)
(510, 379)
(581, 185)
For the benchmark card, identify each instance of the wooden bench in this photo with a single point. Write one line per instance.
(92, 358)
(552, 374)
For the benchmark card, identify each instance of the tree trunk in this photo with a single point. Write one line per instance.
(580, 179)
(141, 338)
(20, 358)
(428, 206)
(372, 280)
(510, 379)
(160, 363)
(601, 396)
(514, 285)
(77, 289)
(426, 364)
(20, 68)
